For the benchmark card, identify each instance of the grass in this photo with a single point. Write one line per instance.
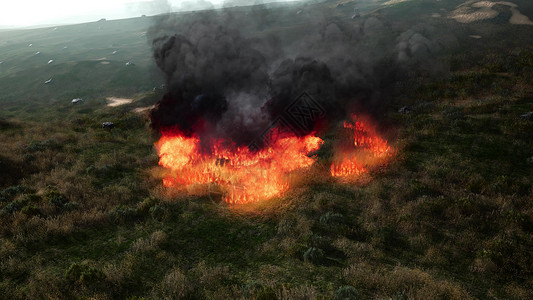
(83, 214)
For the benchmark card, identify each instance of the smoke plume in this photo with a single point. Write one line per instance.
(229, 77)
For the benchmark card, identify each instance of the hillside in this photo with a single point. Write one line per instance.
(84, 214)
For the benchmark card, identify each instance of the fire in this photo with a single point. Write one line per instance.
(244, 175)
(368, 150)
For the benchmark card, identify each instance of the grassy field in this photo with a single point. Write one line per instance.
(83, 213)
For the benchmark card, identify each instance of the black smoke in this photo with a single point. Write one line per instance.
(216, 81)
(229, 77)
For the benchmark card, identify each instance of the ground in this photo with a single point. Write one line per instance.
(83, 213)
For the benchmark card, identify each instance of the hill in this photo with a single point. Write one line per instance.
(83, 213)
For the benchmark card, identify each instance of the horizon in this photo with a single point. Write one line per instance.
(61, 12)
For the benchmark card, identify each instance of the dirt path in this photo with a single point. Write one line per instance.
(114, 101)
(472, 11)
(143, 109)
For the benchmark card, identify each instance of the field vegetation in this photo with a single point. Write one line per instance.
(83, 213)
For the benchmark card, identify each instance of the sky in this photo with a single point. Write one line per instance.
(23, 13)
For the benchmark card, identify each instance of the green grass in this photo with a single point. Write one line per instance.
(83, 214)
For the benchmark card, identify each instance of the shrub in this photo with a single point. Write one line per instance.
(314, 255)
(123, 214)
(90, 170)
(13, 206)
(298, 292)
(346, 292)
(6, 124)
(157, 212)
(28, 157)
(73, 272)
(130, 121)
(401, 295)
(83, 273)
(106, 172)
(12, 191)
(175, 285)
(266, 294)
(318, 241)
(36, 146)
(251, 289)
(12, 171)
(330, 218)
(32, 198)
(418, 188)
(31, 210)
(54, 197)
(70, 206)
(146, 205)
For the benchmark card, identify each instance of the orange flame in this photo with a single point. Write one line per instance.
(245, 176)
(369, 150)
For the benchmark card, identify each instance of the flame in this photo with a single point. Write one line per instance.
(244, 175)
(368, 150)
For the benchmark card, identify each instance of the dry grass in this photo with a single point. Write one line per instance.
(449, 218)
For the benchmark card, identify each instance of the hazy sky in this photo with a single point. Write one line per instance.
(44, 12)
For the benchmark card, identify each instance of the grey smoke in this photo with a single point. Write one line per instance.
(417, 46)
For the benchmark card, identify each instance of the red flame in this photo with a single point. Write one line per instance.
(368, 150)
(246, 176)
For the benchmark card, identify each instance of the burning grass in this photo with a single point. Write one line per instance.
(245, 176)
(450, 217)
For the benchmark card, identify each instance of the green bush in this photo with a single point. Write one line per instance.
(70, 206)
(123, 214)
(54, 197)
(418, 188)
(314, 255)
(13, 191)
(32, 198)
(37, 146)
(11, 171)
(34, 146)
(90, 170)
(6, 124)
(27, 157)
(83, 273)
(130, 121)
(266, 293)
(251, 289)
(146, 205)
(105, 172)
(346, 292)
(157, 212)
(318, 241)
(402, 295)
(13, 206)
(31, 210)
(331, 218)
